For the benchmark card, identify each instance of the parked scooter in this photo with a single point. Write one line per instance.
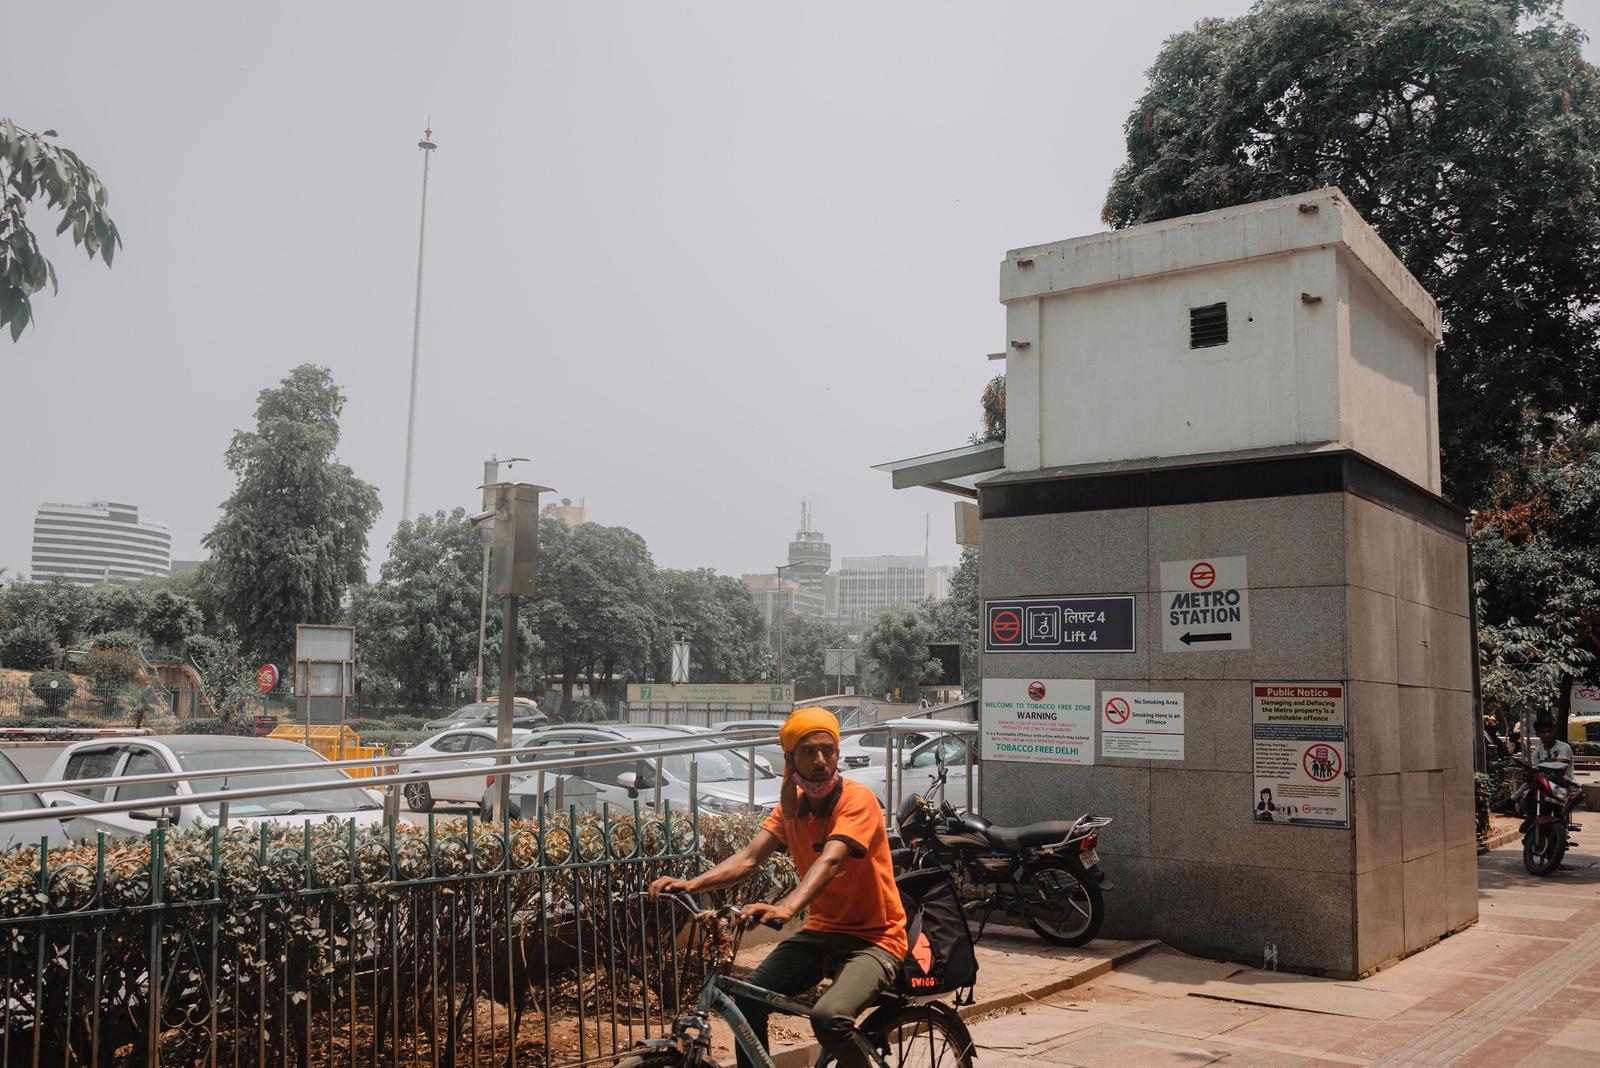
(1047, 873)
(1543, 802)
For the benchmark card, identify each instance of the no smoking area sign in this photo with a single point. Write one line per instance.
(1059, 625)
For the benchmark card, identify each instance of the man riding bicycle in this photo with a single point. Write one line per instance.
(855, 930)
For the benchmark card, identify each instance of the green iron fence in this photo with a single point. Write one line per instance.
(455, 943)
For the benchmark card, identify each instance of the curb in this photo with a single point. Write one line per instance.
(806, 1055)
(1495, 841)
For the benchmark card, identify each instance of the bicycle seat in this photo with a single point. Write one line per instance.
(1048, 832)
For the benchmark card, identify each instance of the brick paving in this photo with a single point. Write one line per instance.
(1521, 987)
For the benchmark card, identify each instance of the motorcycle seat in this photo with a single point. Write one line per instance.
(1048, 832)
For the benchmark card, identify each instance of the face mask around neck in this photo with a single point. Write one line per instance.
(817, 791)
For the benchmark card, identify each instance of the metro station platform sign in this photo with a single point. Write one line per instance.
(1059, 625)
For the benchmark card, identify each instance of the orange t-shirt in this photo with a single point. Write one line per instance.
(862, 900)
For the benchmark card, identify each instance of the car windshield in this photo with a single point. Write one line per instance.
(471, 712)
(311, 802)
(714, 767)
(10, 776)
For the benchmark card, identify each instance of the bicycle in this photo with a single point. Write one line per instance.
(899, 1032)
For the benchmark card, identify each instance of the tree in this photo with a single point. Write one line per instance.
(1536, 550)
(33, 166)
(1467, 132)
(993, 402)
(228, 679)
(597, 604)
(716, 615)
(116, 606)
(805, 641)
(30, 647)
(170, 620)
(56, 605)
(897, 642)
(418, 624)
(955, 617)
(293, 535)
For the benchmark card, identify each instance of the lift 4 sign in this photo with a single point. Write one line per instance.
(1205, 605)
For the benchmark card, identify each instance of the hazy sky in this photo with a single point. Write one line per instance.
(698, 260)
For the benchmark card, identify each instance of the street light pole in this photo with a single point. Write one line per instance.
(491, 475)
(776, 607)
(427, 146)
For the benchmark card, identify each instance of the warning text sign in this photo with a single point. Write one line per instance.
(1300, 733)
(1205, 605)
(1038, 721)
(1147, 726)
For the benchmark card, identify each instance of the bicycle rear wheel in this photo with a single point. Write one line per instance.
(919, 1036)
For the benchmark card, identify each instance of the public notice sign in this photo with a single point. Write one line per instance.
(1059, 625)
(1301, 736)
(1038, 721)
(1147, 726)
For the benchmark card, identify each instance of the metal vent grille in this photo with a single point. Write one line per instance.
(1208, 326)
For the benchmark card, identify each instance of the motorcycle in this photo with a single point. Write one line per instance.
(1047, 874)
(1544, 803)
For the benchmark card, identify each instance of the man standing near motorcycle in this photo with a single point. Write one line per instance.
(856, 928)
(1553, 750)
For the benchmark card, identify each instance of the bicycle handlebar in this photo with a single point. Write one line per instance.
(682, 899)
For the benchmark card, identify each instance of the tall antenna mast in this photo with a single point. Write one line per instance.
(427, 146)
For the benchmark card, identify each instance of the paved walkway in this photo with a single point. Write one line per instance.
(1522, 987)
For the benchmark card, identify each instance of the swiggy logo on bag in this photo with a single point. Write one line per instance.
(922, 953)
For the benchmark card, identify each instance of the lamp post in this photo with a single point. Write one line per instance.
(426, 144)
(780, 569)
(485, 524)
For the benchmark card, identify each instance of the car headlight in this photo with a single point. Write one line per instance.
(727, 806)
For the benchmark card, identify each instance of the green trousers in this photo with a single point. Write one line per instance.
(861, 971)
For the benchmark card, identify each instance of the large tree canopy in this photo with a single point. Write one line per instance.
(33, 166)
(293, 536)
(1466, 131)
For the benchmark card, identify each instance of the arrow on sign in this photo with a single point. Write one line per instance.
(1190, 639)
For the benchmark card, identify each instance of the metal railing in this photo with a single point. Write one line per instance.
(334, 943)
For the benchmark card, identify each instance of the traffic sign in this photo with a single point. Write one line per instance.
(1205, 605)
(1059, 625)
(267, 678)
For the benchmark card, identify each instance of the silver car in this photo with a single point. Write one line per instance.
(28, 832)
(325, 793)
(920, 764)
(622, 769)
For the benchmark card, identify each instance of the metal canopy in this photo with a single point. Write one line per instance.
(951, 471)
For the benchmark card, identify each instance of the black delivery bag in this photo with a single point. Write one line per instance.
(939, 954)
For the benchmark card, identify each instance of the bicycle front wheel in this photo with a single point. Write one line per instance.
(917, 1036)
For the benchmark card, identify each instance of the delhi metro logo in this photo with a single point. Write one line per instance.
(1202, 575)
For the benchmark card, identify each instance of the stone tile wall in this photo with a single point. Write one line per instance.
(1340, 588)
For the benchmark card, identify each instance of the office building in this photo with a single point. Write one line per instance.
(868, 584)
(104, 541)
(773, 594)
(570, 514)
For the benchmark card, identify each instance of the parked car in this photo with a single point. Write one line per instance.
(623, 773)
(29, 832)
(525, 713)
(328, 792)
(466, 790)
(921, 762)
(769, 755)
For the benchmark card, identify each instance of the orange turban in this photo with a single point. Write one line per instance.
(806, 721)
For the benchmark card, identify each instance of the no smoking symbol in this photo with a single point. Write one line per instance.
(1117, 710)
(1006, 626)
(1202, 575)
(1322, 763)
(1036, 690)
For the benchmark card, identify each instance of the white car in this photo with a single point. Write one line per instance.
(855, 750)
(469, 743)
(622, 771)
(920, 766)
(328, 792)
(29, 832)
